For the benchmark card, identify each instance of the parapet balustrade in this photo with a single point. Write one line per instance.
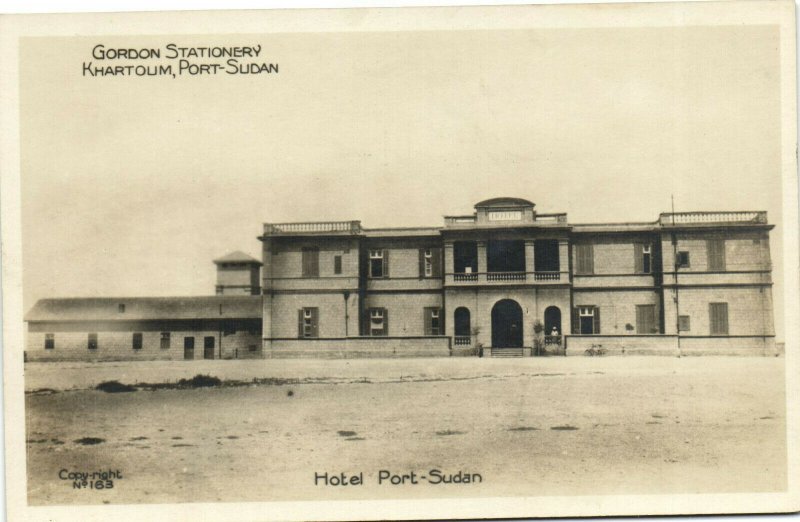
(316, 227)
(691, 218)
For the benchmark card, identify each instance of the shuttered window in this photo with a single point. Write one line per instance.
(378, 322)
(643, 258)
(434, 321)
(308, 322)
(716, 254)
(165, 340)
(585, 259)
(137, 341)
(586, 320)
(718, 318)
(311, 262)
(684, 323)
(337, 265)
(379, 263)
(430, 262)
(646, 319)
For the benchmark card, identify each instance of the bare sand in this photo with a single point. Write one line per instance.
(528, 427)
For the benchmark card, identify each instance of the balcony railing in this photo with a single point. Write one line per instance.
(462, 340)
(318, 227)
(505, 276)
(502, 277)
(699, 218)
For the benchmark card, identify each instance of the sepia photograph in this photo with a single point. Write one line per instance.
(356, 264)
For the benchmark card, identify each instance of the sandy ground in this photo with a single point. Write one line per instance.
(533, 426)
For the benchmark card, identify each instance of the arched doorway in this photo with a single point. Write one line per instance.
(552, 319)
(461, 324)
(506, 324)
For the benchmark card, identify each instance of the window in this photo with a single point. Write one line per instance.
(378, 321)
(646, 319)
(683, 259)
(430, 262)
(92, 341)
(643, 260)
(311, 262)
(121, 308)
(137, 341)
(337, 264)
(433, 321)
(164, 340)
(308, 322)
(585, 259)
(684, 323)
(718, 318)
(586, 320)
(378, 263)
(716, 255)
(49, 341)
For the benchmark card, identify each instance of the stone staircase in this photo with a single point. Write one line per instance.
(507, 352)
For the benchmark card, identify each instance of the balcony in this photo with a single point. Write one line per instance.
(500, 278)
(313, 228)
(744, 217)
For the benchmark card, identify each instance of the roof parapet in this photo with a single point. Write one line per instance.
(745, 217)
(321, 228)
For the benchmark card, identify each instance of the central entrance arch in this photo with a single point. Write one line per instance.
(507, 324)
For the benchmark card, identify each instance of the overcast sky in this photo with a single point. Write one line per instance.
(131, 186)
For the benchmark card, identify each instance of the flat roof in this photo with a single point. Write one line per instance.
(146, 308)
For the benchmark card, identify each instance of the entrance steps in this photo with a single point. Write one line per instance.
(507, 352)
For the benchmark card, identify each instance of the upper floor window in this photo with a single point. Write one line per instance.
(308, 322)
(337, 264)
(378, 321)
(92, 342)
(137, 341)
(121, 308)
(49, 341)
(643, 258)
(716, 255)
(430, 262)
(311, 262)
(683, 259)
(584, 252)
(378, 263)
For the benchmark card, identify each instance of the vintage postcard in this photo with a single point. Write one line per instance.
(411, 263)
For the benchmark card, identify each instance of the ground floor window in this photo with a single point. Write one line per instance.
(137, 341)
(433, 321)
(684, 323)
(49, 341)
(308, 322)
(718, 318)
(646, 319)
(165, 340)
(586, 320)
(378, 321)
(92, 342)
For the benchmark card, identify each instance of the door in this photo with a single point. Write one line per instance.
(208, 347)
(507, 324)
(188, 348)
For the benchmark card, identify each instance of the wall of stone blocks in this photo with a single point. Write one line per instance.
(406, 310)
(763, 346)
(281, 310)
(288, 261)
(744, 250)
(623, 344)
(618, 307)
(612, 254)
(749, 309)
(362, 347)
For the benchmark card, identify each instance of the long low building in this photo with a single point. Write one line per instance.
(504, 280)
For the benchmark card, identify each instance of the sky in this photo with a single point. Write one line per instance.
(132, 185)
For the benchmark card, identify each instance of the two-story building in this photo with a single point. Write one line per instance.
(504, 280)
(507, 278)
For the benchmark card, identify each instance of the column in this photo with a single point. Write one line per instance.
(482, 260)
(563, 258)
(530, 263)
